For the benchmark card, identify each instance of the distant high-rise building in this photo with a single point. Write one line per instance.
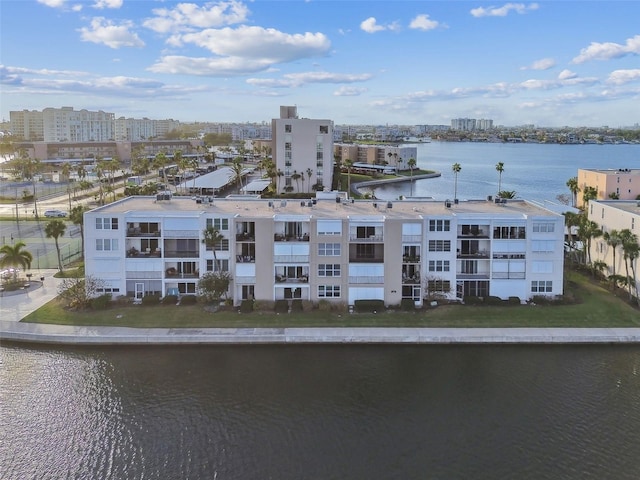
(27, 125)
(68, 125)
(471, 124)
(300, 146)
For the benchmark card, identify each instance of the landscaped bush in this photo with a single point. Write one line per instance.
(407, 304)
(493, 300)
(246, 306)
(472, 300)
(369, 306)
(188, 300)
(281, 306)
(296, 305)
(514, 301)
(102, 302)
(324, 305)
(170, 300)
(263, 305)
(151, 300)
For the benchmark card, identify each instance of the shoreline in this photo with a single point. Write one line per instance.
(18, 332)
(370, 183)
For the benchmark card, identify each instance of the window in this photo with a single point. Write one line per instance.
(287, 128)
(329, 227)
(439, 286)
(541, 286)
(329, 291)
(329, 270)
(509, 232)
(106, 223)
(439, 225)
(106, 244)
(324, 128)
(218, 223)
(542, 246)
(224, 265)
(541, 266)
(543, 227)
(329, 249)
(108, 290)
(438, 265)
(439, 245)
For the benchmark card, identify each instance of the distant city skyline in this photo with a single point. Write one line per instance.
(548, 64)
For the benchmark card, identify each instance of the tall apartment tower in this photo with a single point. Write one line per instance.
(303, 151)
(68, 125)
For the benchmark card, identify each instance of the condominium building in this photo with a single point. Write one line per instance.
(393, 155)
(614, 215)
(623, 183)
(302, 146)
(327, 248)
(68, 125)
(27, 125)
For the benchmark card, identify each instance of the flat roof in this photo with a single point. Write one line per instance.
(631, 206)
(253, 207)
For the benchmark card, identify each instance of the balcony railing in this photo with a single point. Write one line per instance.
(285, 279)
(514, 275)
(366, 259)
(142, 275)
(132, 253)
(473, 254)
(411, 238)
(245, 237)
(369, 239)
(280, 237)
(136, 232)
(366, 279)
(291, 258)
(245, 259)
(174, 274)
(181, 254)
(411, 259)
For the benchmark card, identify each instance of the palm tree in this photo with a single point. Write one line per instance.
(630, 251)
(159, 163)
(411, 163)
(456, 170)
(279, 174)
(588, 194)
(571, 220)
(612, 238)
(348, 163)
(212, 237)
(76, 215)
(296, 177)
(309, 173)
(55, 229)
(15, 256)
(587, 231)
(574, 188)
(500, 169)
(238, 169)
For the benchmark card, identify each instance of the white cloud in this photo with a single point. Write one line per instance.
(370, 25)
(266, 44)
(212, 67)
(619, 77)
(608, 50)
(53, 3)
(423, 22)
(107, 33)
(186, 16)
(542, 64)
(349, 91)
(503, 11)
(100, 4)
(566, 75)
(299, 79)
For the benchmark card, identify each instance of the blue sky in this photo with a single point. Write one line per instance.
(549, 63)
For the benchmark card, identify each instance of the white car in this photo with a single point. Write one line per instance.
(55, 213)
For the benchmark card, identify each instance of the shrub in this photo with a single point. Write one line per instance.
(188, 300)
(325, 305)
(151, 300)
(472, 300)
(122, 300)
(281, 306)
(102, 302)
(263, 305)
(407, 304)
(368, 306)
(514, 301)
(307, 305)
(170, 300)
(296, 305)
(492, 300)
(246, 306)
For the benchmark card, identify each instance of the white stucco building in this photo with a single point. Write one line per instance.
(328, 248)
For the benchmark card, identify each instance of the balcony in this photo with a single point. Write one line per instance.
(286, 279)
(411, 259)
(363, 239)
(366, 279)
(245, 259)
(473, 254)
(173, 273)
(148, 253)
(281, 237)
(181, 253)
(473, 231)
(245, 237)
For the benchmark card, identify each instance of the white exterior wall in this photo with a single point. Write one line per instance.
(382, 273)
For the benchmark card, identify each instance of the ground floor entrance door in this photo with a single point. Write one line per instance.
(139, 291)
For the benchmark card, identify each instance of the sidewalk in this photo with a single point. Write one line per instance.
(15, 306)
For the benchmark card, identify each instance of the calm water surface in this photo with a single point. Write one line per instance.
(534, 171)
(320, 412)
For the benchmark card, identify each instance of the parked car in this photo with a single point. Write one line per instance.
(55, 213)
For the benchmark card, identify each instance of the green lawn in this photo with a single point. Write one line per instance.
(595, 307)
